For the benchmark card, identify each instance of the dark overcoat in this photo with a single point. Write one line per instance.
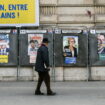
(42, 59)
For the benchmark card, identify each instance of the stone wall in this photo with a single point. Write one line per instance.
(75, 12)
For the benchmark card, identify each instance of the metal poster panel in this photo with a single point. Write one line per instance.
(34, 42)
(58, 50)
(70, 49)
(97, 47)
(74, 48)
(8, 47)
(19, 13)
(29, 42)
(4, 48)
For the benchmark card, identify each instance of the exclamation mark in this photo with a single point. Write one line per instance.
(18, 14)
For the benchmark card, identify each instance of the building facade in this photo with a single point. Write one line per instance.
(64, 14)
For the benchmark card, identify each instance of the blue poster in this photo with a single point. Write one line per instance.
(70, 49)
(70, 60)
(4, 44)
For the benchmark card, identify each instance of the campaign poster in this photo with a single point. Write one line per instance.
(34, 42)
(101, 46)
(4, 48)
(70, 49)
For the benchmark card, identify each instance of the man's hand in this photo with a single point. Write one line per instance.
(48, 68)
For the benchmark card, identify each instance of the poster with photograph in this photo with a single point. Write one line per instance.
(34, 42)
(70, 49)
(4, 48)
(101, 46)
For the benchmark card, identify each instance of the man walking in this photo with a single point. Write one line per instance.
(42, 67)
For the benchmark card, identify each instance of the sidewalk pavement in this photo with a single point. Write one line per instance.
(68, 93)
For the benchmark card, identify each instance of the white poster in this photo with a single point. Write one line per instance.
(34, 42)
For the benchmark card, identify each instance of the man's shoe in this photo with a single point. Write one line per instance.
(38, 93)
(51, 93)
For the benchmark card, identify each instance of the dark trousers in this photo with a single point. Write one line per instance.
(43, 76)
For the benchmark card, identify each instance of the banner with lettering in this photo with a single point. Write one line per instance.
(19, 13)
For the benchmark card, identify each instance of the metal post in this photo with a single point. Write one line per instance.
(53, 60)
(18, 53)
(88, 58)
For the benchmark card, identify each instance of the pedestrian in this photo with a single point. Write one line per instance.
(42, 67)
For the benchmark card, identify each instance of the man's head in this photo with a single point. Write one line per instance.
(36, 43)
(32, 43)
(45, 41)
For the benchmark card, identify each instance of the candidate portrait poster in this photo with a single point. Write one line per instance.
(34, 42)
(101, 46)
(4, 48)
(70, 49)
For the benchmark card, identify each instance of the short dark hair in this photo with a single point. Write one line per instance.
(32, 41)
(45, 40)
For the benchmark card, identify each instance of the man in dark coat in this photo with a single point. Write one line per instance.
(42, 67)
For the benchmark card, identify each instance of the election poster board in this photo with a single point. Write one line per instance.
(8, 47)
(70, 49)
(19, 13)
(97, 47)
(34, 42)
(29, 42)
(4, 48)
